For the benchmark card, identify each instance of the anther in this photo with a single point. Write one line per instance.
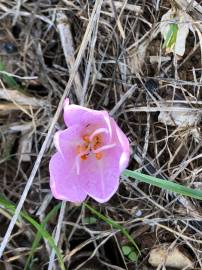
(98, 156)
(84, 157)
(86, 138)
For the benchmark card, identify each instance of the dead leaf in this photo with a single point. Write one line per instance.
(181, 118)
(182, 20)
(20, 98)
(170, 258)
(6, 108)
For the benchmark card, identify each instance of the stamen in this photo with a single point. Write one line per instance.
(86, 138)
(81, 156)
(98, 131)
(98, 156)
(96, 142)
(82, 149)
(105, 147)
(84, 157)
(92, 144)
(78, 149)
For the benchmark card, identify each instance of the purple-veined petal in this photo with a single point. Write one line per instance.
(64, 180)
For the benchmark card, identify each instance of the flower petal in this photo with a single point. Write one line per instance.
(122, 148)
(78, 115)
(66, 140)
(64, 181)
(100, 178)
(73, 174)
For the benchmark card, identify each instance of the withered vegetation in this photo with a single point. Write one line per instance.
(103, 54)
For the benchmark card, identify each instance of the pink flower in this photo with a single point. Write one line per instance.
(91, 154)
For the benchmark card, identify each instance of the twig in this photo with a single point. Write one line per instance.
(130, 7)
(57, 234)
(90, 60)
(19, 77)
(68, 49)
(18, 5)
(127, 95)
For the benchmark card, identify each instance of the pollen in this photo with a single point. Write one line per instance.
(98, 156)
(84, 157)
(86, 138)
(88, 146)
(96, 142)
(81, 148)
(78, 149)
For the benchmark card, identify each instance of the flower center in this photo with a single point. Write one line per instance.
(89, 146)
(92, 144)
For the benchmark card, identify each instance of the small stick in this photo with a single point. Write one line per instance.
(57, 234)
(63, 26)
(119, 5)
(127, 95)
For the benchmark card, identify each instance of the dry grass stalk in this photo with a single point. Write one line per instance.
(66, 38)
(119, 5)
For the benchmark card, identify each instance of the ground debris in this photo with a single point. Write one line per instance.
(183, 116)
(112, 51)
(18, 97)
(170, 258)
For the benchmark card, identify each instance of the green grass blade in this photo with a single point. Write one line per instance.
(114, 224)
(38, 235)
(45, 234)
(9, 80)
(164, 184)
